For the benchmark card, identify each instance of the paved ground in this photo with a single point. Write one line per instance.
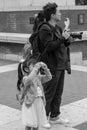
(6, 62)
(74, 101)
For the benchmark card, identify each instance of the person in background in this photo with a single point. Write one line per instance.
(55, 41)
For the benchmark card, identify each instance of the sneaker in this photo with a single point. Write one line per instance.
(59, 120)
(47, 126)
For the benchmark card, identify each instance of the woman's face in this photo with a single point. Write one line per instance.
(57, 15)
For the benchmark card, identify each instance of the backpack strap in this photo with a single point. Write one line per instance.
(48, 26)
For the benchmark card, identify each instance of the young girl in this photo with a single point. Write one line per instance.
(33, 107)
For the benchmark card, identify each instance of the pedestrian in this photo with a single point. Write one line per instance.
(55, 41)
(33, 107)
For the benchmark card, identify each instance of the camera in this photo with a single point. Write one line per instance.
(76, 35)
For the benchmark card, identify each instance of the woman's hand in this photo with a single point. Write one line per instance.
(66, 34)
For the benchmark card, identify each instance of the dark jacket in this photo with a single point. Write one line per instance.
(56, 47)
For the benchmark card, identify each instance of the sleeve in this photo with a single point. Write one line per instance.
(68, 41)
(28, 79)
(25, 78)
(46, 37)
(27, 82)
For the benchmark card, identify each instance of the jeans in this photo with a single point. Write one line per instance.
(53, 93)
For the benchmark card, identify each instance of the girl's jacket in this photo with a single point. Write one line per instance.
(33, 83)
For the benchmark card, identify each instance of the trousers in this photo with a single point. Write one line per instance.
(53, 93)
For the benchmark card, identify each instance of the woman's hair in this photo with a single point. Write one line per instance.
(48, 9)
(38, 20)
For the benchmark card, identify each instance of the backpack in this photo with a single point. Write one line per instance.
(35, 43)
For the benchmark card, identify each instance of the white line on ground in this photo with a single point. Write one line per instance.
(76, 112)
(79, 68)
(8, 114)
(7, 68)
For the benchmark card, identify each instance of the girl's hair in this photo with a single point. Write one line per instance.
(22, 69)
(31, 61)
(38, 20)
(48, 9)
(27, 50)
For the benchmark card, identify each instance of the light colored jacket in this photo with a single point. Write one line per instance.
(33, 82)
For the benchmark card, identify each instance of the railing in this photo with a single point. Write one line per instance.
(11, 45)
(23, 38)
(14, 37)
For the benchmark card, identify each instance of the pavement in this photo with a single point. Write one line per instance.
(74, 100)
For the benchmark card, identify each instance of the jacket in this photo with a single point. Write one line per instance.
(33, 84)
(56, 47)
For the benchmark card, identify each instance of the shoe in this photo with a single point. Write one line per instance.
(47, 126)
(59, 120)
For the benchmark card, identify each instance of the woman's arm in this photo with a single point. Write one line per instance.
(46, 38)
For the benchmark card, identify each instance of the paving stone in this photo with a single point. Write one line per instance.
(17, 125)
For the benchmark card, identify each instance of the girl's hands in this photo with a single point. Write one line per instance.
(43, 65)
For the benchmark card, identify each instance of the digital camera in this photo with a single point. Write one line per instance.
(76, 35)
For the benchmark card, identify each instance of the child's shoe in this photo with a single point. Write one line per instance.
(47, 126)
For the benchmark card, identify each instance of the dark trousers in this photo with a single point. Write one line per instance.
(53, 92)
(30, 128)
